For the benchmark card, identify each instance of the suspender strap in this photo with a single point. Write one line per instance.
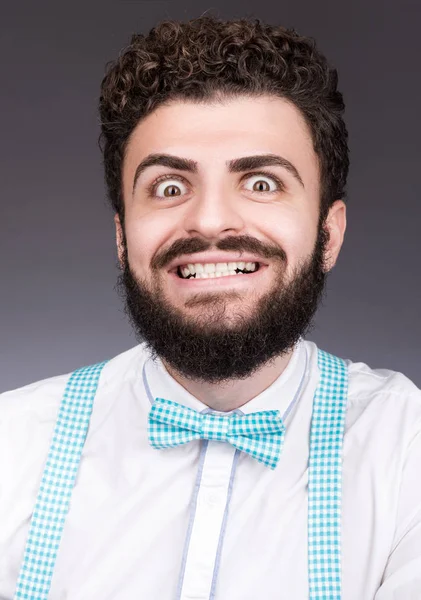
(53, 500)
(324, 488)
(325, 479)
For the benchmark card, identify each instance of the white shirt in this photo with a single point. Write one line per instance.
(134, 507)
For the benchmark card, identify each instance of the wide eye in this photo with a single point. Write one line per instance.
(262, 183)
(168, 187)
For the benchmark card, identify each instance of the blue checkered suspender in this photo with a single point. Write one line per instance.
(324, 485)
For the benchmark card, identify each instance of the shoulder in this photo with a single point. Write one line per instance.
(384, 403)
(390, 389)
(42, 398)
(27, 418)
(381, 402)
(368, 382)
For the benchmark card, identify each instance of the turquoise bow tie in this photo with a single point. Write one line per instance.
(260, 434)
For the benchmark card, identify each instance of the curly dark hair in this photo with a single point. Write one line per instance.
(208, 58)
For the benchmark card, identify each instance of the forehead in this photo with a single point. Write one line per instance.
(212, 133)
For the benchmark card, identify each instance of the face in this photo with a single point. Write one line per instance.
(223, 259)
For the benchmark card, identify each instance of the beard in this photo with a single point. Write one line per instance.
(212, 347)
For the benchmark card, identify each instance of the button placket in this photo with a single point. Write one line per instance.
(208, 519)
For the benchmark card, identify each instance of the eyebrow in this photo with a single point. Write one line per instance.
(236, 165)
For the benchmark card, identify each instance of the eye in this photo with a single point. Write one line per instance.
(171, 186)
(165, 186)
(264, 183)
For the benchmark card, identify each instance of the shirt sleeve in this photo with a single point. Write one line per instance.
(402, 576)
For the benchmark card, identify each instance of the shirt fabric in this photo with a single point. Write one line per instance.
(125, 534)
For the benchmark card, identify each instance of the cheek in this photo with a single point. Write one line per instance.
(146, 235)
(295, 233)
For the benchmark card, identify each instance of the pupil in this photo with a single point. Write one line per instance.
(171, 187)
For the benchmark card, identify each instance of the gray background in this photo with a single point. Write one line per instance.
(59, 309)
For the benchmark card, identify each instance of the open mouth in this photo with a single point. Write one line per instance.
(205, 271)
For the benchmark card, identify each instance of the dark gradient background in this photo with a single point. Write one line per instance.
(59, 308)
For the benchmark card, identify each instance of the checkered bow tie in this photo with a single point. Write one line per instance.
(260, 434)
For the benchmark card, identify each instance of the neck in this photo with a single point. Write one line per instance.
(230, 395)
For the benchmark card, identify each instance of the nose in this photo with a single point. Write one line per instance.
(213, 213)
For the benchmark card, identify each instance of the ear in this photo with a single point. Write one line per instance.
(119, 239)
(336, 225)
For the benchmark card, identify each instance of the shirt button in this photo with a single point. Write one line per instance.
(212, 500)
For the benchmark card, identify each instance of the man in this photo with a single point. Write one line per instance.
(223, 457)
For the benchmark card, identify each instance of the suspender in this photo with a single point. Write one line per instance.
(324, 487)
(58, 479)
(325, 479)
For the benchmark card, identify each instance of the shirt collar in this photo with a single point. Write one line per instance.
(280, 395)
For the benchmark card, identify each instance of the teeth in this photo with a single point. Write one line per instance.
(203, 271)
(221, 267)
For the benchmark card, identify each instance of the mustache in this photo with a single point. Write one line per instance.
(191, 246)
